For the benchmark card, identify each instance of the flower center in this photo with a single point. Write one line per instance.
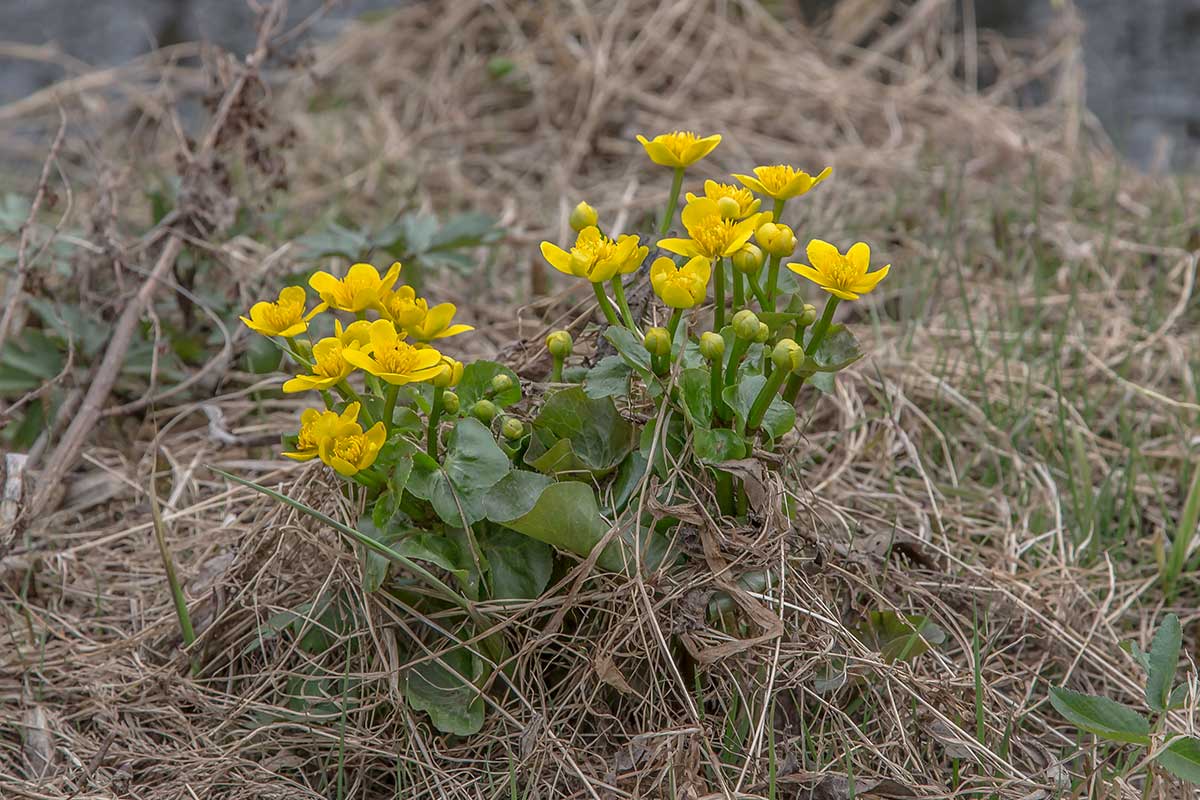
(742, 195)
(679, 141)
(713, 234)
(777, 177)
(587, 254)
(282, 314)
(840, 273)
(350, 448)
(399, 358)
(306, 439)
(406, 309)
(331, 365)
(351, 285)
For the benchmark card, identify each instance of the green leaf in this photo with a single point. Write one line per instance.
(1179, 697)
(566, 516)
(696, 389)
(630, 347)
(599, 436)
(446, 692)
(628, 476)
(717, 445)
(472, 465)
(520, 566)
(514, 495)
(900, 637)
(672, 442)
(780, 418)
(436, 549)
(464, 230)
(823, 382)
(609, 378)
(1163, 660)
(1181, 758)
(837, 351)
(335, 240)
(740, 396)
(1100, 716)
(476, 381)
(375, 566)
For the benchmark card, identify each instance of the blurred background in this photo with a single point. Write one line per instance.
(1141, 56)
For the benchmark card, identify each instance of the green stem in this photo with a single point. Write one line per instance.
(672, 201)
(556, 370)
(715, 386)
(328, 398)
(1183, 534)
(673, 325)
(389, 405)
(177, 597)
(759, 409)
(435, 414)
(739, 291)
(822, 328)
(772, 282)
(724, 492)
(349, 395)
(739, 348)
(777, 210)
(758, 292)
(623, 304)
(605, 305)
(742, 500)
(719, 295)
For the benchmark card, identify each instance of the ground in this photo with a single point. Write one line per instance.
(1010, 461)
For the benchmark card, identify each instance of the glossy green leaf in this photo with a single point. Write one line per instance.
(476, 382)
(837, 351)
(740, 396)
(1181, 758)
(519, 566)
(446, 691)
(671, 443)
(1100, 716)
(900, 637)
(717, 445)
(695, 389)
(609, 378)
(630, 348)
(566, 516)
(1163, 661)
(514, 495)
(470, 229)
(780, 418)
(473, 464)
(599, 436)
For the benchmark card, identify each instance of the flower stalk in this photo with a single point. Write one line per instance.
(605, 305)
(672, 202)
(719, 294)
(623, 304)
(435, 415)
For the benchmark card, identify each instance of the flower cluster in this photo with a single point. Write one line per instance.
(393, 350)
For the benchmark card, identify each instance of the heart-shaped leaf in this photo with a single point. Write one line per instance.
(456, 488)
(446, 691)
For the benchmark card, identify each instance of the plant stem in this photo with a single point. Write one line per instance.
(435, 414)
(724, 492)
(556, 369)
(672, 201)
(777, 210)
(758, 292)
(818, 335)
(349, 395)
(715, 387)
(772, 281)
(739, 348)
(1183, 534)
(739, 291)
(623, 304)
(767, 393)
(605, 305)
(673, 325)
(719, 295)
(389, 405)
(181, 609)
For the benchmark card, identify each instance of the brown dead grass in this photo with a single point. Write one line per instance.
(914, 498)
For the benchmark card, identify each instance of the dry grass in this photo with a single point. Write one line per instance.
(1036, 351)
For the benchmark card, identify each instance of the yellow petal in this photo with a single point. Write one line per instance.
(683, 247)
(869, 281)
(842, 293)
(323, 283)
(697, 211)
(293, 294)
(699, 268)
(363, 272)
(823, 255)
(389, 280)
(557, 257)
(454, 330)
(752, 183)
(804, 270)
(859, 256)
(700, 148)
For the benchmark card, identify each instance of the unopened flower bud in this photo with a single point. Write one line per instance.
(748, 260)
(449, 375)
(729, 208)
(501, 383)
(658, 341)
(450, 403)
(808, 316)
(513, 429)
(712, 346)
(583, 216)
(560, 344)
(485, 411)
(776, 238)
(764, 333)
(745, 324)
(781, 356)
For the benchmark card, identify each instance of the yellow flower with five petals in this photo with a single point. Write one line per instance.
(678, 149)
(317, 426)
(414, 316)
(349, 450)
(843, 276)
(781, 181)
(362, 288)
(595, 256)
(681, 287)
(330, 366)
(734, 202)
(394, 360)
(284, 317)
(712, 235)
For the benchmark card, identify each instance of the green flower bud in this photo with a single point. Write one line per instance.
(745, 324)
(485, 411)
(501, 383)
(798, 358)
(728, 207)
(583, 216)
(782, 355)
(560, 344)
(776, 238)
(513, 429)
(712, 346)
(764, 333)
(450, 403)
(658, 341)
(748, 260)
(808, 316)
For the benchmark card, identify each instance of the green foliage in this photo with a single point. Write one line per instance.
(445, 688)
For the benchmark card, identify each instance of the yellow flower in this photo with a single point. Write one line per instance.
(284, 317)
(413, 315)
(736, 199)
(393, 359)
(846, 275)
(781, 181)
(348, 450)
(681, 287)
(362, 288)
(679, 148)
(330, 365)
(595, 256)
(713, 236)
(317, 426)
(449, 373)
